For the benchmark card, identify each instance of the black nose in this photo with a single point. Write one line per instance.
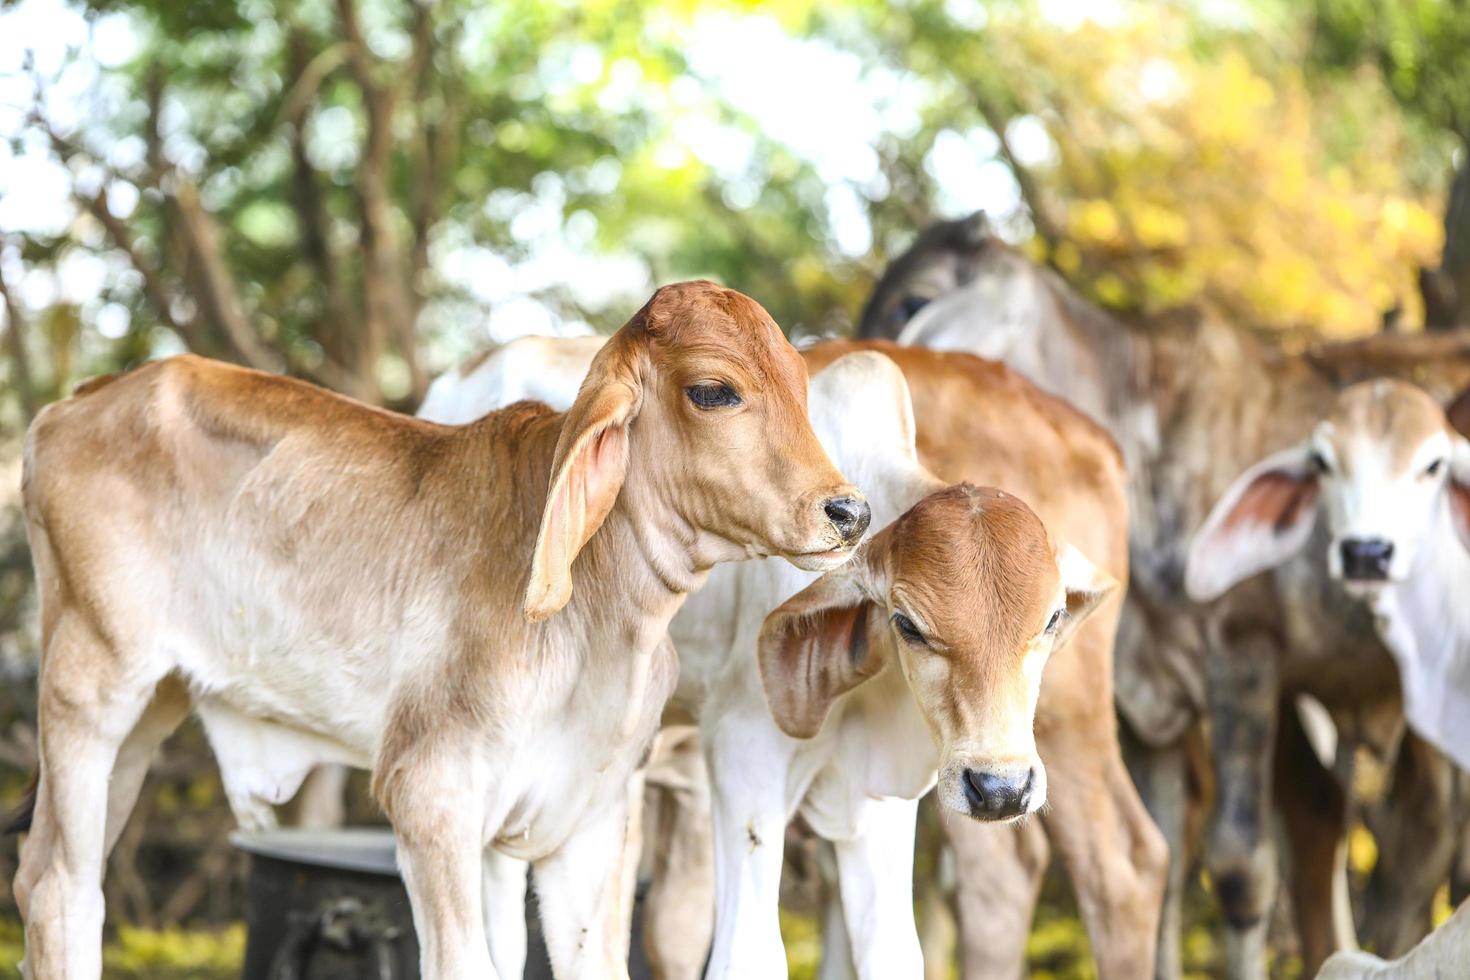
(993, 796)
(849, 515)
(1366, 559)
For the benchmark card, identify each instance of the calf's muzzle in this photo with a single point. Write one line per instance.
(849, 515)
(998, 795)
(1366, 559)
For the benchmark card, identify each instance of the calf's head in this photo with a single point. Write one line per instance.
(967, 594)
(702, 383)
(1382, 468)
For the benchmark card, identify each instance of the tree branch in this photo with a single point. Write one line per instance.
(219, 294)
(332, 329)
(386, 307)
(1041, 217)
(15, 331)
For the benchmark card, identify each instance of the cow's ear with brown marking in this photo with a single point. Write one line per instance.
(1086, 587)
(1264, 518)
(1458, 488)
(824, 641)
(587, 471)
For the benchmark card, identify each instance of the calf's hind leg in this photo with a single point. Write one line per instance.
(91, 701)
(169, 707)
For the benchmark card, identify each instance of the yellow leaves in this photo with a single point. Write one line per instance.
(1410, 226)
(1229, 101)
(1183, 177)
(1441, 909)
(1094, 222)
(1110, 289)
(809, 272)
(1067, 258)
(1158, 227)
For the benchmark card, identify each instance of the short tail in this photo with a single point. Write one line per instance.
(19, 819)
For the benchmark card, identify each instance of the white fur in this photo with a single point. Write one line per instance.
(1220, 556)
(527, 368)
(1421, 611)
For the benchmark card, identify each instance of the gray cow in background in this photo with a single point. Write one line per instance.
(1191, 400)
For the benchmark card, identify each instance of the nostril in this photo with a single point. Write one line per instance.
(995, 797)
(848, 514)
(975, 788)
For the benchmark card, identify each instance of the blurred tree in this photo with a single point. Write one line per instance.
(1164, 160)
(277, 177)
(1419, 48)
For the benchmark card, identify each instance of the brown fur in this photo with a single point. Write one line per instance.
(981, 422)
(190, 514)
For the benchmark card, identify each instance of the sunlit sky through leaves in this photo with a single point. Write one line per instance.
(823, 104)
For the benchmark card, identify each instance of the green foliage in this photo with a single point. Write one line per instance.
(144, 954)
(1418, 45)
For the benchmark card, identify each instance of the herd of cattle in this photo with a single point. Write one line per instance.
(1159, 585)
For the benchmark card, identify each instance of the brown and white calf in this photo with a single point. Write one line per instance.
(1391, 478)
(477, 614)
(825, 711)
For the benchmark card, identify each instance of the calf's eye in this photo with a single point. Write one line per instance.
(1319, 463)
(909, 306)
(907, 629)
(712, 396)
(1433, 468)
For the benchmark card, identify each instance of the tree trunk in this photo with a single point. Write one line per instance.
(20, 362)
(1446, 290)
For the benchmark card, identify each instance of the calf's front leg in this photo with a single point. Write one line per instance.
(876, 874)
(438, 819)
(580, 888)
(504, 891)
(998, 875)
(749, 761)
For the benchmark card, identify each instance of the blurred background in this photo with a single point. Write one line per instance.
(360, 192)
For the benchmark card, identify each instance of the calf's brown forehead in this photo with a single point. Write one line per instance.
(1392, 414)
(702, 318)
(977, 565)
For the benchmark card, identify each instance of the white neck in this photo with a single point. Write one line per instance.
(1425, 623)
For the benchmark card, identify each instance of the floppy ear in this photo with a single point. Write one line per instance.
(1264, 518)
(1458, 488)
(586, 473)
(819, 644)
(1086, 586)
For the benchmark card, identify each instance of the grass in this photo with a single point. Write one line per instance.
(152, 954)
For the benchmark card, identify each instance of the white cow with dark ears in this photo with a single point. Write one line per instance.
(1391, 477)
